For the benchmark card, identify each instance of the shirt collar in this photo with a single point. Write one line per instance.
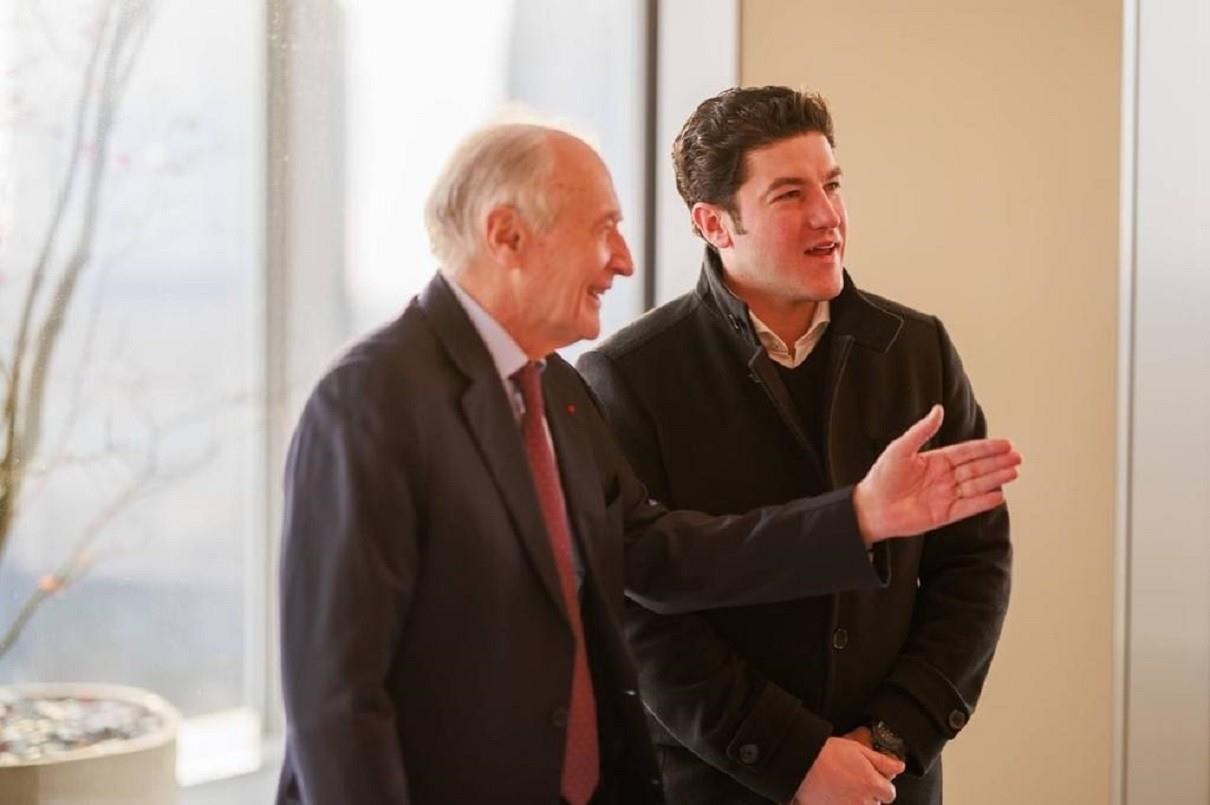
(506, 354)
(792, 357)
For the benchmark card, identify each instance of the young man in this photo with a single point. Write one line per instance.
(778, 378)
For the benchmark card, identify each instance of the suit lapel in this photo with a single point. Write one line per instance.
(860, 330)
(838, 361)
(749, 348)
(574, 454)
(489, 418)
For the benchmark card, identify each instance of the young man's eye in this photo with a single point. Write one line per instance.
(832, 187)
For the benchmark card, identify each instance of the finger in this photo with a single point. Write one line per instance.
(986, 466)
(883, 789)
(972, 450)
(966, 507)
(917, 435)
(885, 765)
(975, 487)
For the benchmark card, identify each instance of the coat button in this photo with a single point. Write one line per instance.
(749, 754)
(840, 639)
(957, 720)
(629, 692)
(559, 717)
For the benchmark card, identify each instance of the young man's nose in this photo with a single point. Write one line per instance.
(821, 211)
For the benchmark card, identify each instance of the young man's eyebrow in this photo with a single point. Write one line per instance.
(781, 182)
(797, 181)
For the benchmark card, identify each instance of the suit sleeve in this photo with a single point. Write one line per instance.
(711, 700)
(931, 691)
(347, 571)
(684, 561)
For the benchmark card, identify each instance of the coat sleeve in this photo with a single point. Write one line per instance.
(684, 561)
(964, 577)
(706, 696)
(348, 569)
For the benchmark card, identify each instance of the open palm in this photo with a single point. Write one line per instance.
(908, 492)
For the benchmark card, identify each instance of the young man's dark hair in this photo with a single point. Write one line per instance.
(709, 153)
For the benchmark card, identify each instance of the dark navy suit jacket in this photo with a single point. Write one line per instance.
(426, 651)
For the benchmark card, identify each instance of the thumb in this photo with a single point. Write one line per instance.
(885, 765)
(918, 435)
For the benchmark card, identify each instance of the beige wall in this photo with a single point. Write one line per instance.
(980, 143)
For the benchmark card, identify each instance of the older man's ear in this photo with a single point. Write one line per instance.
(504, 235)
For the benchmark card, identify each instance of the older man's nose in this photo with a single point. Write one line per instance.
(621, 262)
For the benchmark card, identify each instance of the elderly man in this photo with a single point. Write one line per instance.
(460, 525)
(799, 379)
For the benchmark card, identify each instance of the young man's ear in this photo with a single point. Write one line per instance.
(714, 223)
(504, 235)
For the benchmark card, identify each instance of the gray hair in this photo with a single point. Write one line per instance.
(507, 163)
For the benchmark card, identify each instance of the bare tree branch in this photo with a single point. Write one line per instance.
(38, 14)
(73, 568)
(139, 13)
(10, 461)
(52, 324)
(76, 397)
(129, 34)
(28, 609)
(148, 480)
(121, 30)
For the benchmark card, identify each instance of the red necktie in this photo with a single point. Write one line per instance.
(580, 758)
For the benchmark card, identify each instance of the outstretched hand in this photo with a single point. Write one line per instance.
(907, 492)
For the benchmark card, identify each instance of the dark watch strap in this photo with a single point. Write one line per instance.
(884, 740)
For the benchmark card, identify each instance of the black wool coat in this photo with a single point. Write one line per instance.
(742, 699)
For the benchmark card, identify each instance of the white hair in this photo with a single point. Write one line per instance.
(508, 163)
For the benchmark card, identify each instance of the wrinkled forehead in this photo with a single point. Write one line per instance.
(579, 176)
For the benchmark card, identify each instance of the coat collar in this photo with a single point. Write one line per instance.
(853, 312)
(454, 329)
(489, 417)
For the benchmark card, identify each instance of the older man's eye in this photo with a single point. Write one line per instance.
(788, 195)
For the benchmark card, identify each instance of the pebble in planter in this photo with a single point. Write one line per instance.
(79, 744)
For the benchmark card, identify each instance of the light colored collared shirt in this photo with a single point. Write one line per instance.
(792, 357)
(506, 354)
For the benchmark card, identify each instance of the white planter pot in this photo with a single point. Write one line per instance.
(140, 771)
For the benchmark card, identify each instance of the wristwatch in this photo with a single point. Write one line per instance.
(884, 740)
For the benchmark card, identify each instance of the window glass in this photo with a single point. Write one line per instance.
(129, 226)
(423, 76)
